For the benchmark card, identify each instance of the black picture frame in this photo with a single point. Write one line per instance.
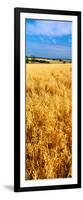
(17, 90)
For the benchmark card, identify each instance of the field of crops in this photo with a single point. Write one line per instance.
(48, 121)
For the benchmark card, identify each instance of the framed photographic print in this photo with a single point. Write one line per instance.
(47, 99)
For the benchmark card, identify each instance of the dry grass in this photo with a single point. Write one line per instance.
(48, 121)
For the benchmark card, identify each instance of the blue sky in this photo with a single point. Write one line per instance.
(50, 39)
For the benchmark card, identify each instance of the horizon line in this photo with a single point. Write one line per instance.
(57, 58)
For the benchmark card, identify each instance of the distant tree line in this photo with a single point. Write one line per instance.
(42, 60)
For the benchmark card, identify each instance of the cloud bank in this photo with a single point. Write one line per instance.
(48, 28)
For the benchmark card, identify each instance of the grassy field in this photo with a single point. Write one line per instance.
(48, 121)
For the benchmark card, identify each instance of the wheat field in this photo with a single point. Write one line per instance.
(48, 121)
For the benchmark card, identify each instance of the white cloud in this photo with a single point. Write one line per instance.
(49, 28)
